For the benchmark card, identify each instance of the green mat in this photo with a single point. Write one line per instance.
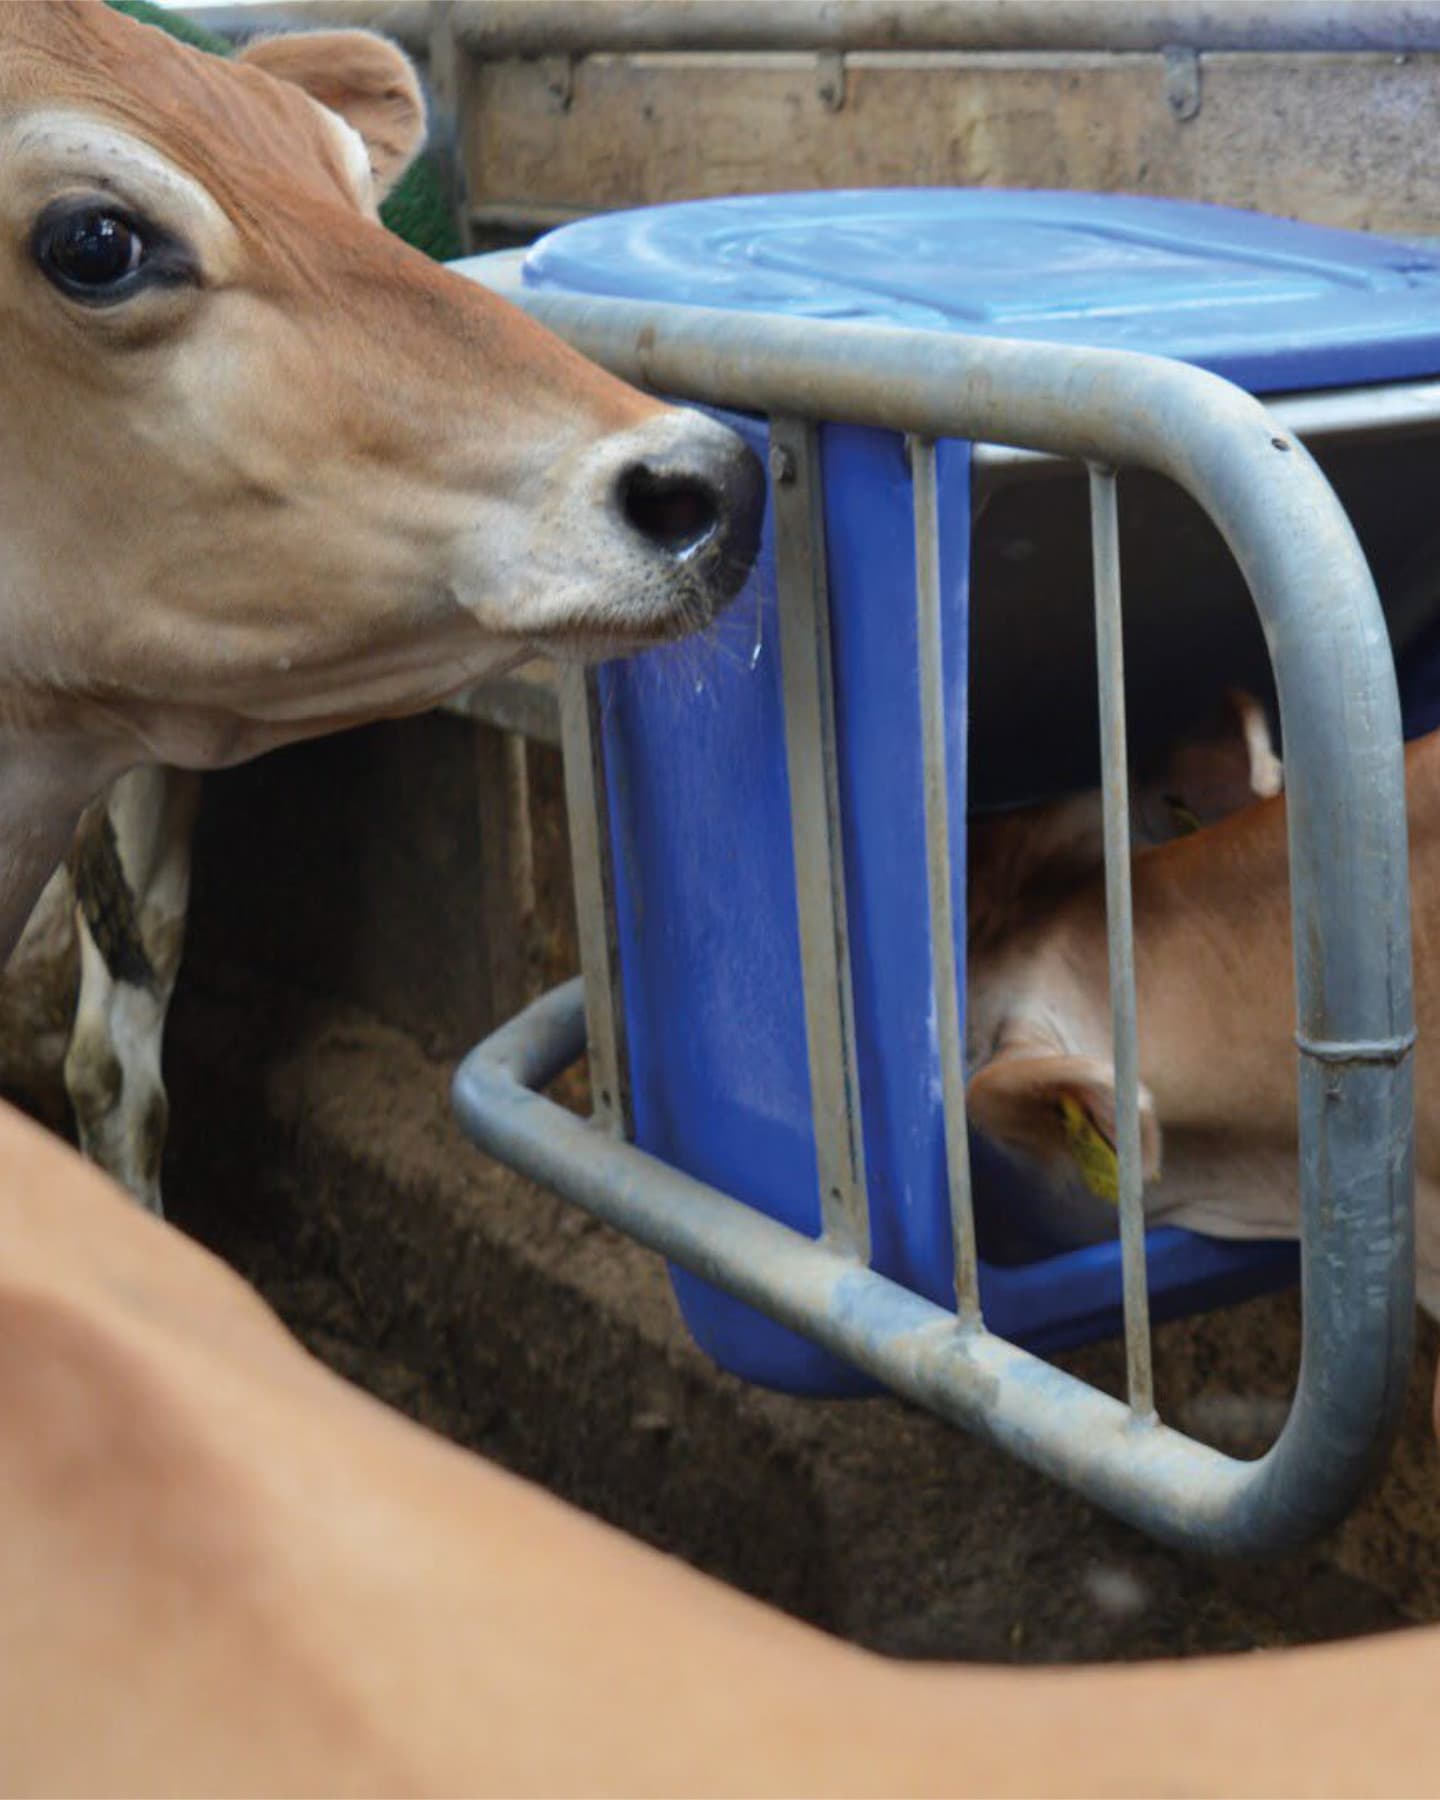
(416, 209)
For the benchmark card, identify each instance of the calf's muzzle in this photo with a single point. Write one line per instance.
(695, 501)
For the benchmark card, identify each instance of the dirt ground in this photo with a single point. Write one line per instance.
(326, 995)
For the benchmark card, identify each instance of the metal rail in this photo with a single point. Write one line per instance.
(521, 28)
(947, 977)
(1388, 410)
(1120, 932)
(1350, 916)
(502, 28)
(818, 835)
(588, 815)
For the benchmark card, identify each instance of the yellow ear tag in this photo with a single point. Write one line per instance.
(1094, 1155)
(1181, 817)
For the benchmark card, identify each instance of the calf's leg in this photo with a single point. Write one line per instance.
(131, 868)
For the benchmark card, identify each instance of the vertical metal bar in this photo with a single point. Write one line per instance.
(1115, 781)
(808, 685)
(445, 71)
(587, 813)
(938, 872)
(507, 866)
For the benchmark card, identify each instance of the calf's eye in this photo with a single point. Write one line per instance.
(94, 250)
(93, 253)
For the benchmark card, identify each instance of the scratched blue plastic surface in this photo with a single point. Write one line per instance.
(693, 736)
(1270, 303)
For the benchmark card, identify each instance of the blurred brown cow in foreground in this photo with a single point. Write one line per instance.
(224, 1571)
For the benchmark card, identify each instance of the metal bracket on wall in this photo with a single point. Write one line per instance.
(559, 74)
(830, 79)
(1182, 81)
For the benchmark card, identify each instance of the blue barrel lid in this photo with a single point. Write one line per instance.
(1271, 303)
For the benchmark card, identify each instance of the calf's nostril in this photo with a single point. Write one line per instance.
(677, 512)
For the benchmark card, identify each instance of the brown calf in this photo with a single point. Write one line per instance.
(1216, 1017)
(264, 470)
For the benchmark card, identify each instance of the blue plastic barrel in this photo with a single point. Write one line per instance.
(693, 737)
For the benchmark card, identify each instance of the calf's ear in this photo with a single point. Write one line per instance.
(1060, 1112)
(366, 79)
(1225, 767)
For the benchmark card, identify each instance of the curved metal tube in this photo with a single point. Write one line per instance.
(1155, 1478)
(1350, 911)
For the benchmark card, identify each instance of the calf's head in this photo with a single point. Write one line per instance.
(265, 470)
(1042, 1076)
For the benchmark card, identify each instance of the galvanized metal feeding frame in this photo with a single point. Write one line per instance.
(1349, 895)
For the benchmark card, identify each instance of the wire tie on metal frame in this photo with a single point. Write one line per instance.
(1356, 1050)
